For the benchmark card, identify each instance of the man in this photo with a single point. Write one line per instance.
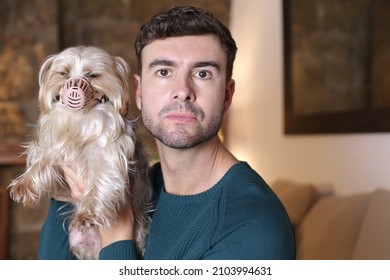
(209, 205)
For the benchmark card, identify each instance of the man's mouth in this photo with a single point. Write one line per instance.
(181, 117)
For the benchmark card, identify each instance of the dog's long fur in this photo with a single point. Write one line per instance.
(99, 144)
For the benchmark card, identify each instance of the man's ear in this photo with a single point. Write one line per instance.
(137, 90)
(230, 88)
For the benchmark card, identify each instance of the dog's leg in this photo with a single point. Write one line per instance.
(32, 185)
(85, 245)
(105, 191)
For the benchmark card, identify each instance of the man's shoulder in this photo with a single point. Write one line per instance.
(247, 192)
(242, 174)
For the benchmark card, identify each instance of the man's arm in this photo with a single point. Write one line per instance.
(255, 241)
(53, 240)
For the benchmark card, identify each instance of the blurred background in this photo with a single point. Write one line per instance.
(254, 128)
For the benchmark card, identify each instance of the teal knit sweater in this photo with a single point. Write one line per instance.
(238, 218)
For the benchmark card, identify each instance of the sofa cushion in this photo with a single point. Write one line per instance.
(296, 198)
(374, 240)
(330, 229)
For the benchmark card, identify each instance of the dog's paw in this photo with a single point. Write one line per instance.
(83, 222)
(23, 194)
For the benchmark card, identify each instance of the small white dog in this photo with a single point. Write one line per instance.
(84, 124)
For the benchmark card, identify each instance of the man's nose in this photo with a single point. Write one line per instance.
(184, 89)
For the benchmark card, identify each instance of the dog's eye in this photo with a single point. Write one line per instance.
(90, 75)
(65, 75)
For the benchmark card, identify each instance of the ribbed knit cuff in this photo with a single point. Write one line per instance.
(120, 250)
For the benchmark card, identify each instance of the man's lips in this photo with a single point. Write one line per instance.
(181, 117)
(181, 112)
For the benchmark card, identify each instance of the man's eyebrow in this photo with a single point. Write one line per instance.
(201, 64)
(161, 62)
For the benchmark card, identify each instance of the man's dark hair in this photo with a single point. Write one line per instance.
(185, 21)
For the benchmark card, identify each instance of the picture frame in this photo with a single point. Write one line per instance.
(336, 66)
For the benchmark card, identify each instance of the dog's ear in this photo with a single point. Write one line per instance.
(45, 69)
(123, 70)
(44, 98)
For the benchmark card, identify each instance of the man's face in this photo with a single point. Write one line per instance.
(182, 91)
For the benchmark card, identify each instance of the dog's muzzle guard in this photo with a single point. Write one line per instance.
(77, 93)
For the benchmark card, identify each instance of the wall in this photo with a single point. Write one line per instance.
(348, 163)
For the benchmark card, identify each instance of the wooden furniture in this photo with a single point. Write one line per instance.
(4, 223)
(10, 155)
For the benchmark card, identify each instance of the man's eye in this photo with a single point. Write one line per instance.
(203, 74)
(163, 72)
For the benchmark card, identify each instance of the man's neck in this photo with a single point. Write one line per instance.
(195, 170)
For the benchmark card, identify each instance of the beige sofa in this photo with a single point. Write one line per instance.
(335, 227)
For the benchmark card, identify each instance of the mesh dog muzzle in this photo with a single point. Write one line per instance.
(77, 94)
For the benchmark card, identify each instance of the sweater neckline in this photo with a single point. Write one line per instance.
(180, 199)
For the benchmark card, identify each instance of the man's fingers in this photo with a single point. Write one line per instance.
(75, 181)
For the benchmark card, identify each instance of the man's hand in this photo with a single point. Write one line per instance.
(122, 230)
(76, 184)
(75, 181)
